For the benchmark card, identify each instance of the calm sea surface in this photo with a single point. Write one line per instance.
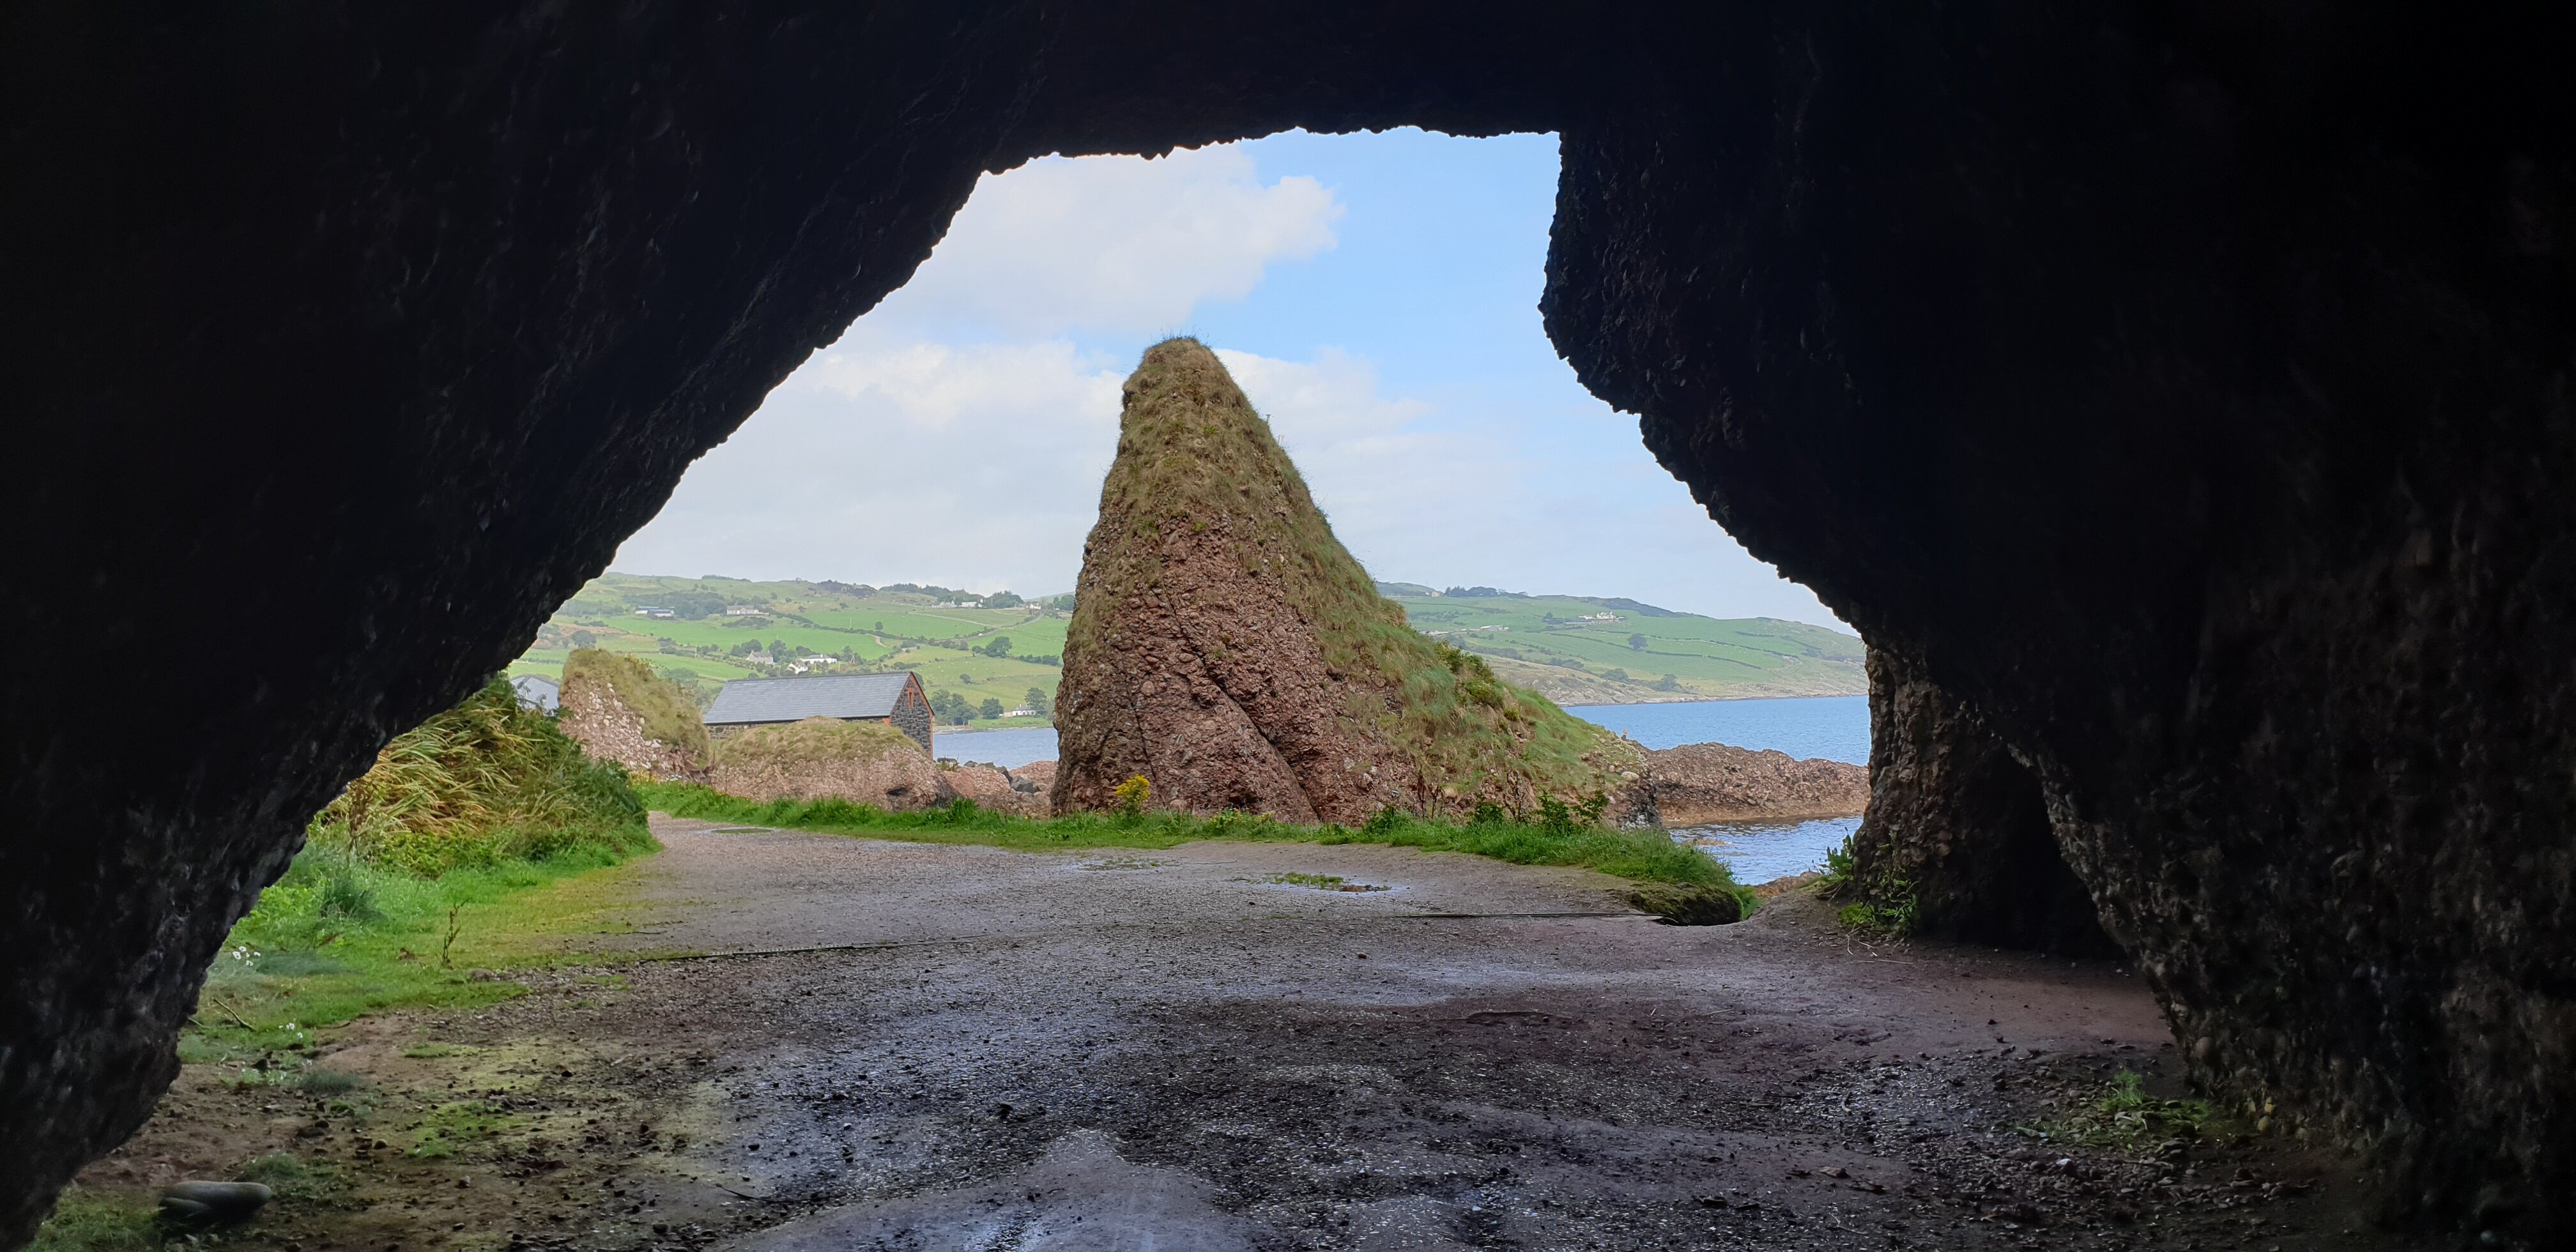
(1833, 727)
(1009, 749)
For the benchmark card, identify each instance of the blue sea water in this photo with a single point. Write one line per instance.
(1009, 749)
(1833, 727)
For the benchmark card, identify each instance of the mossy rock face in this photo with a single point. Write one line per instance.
(620, 710)
(1689, 906)
(823, 758)
(1226, 647)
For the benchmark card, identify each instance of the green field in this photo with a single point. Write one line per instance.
(864, 630)
(1558, 646)
(1563, 647)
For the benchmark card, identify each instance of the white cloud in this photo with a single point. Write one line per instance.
(958, 434)
(1117, 245)
(971, 465)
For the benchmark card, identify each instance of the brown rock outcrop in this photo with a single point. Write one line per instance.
(1958, 831)
(998, 789)
(1038, 774)
(862, 762)
(619, 710)
(1713, 782)
(1227, 648)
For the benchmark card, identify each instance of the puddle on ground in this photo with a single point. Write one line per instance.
(1760, 852)
(1314, 882)
(1124, 862)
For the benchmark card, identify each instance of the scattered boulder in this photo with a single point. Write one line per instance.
(204, 1205)
(822, 757)
(1225, 647)
(619, 710)
(998, 789)
(1036, 774)
(1698, 783)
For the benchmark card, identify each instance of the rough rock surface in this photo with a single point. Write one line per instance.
(2183, 388)
(1713, 782)
(1957, 828)
(822, 757)
(1038, 774)
(1225, 647)
(610, 729)
(998, 789)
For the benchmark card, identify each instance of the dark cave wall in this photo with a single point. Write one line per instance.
(1957, 836)
(2183, 389)
(2188, 395)
(366, 332)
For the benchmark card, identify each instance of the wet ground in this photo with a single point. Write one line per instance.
(880, 1045)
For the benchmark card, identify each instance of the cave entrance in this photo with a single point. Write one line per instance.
(1375, 294)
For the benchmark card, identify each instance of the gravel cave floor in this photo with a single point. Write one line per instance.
(904, 1046)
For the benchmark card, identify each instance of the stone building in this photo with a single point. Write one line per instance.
(895, 699)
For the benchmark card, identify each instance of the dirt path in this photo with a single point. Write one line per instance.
(991, 1050)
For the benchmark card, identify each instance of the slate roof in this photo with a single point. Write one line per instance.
(538, 692)
(747, 701)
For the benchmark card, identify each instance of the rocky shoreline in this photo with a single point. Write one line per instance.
(1698, 783)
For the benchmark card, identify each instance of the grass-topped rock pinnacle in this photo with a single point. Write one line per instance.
(1226, 647)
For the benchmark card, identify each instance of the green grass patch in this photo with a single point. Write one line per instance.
(97, 1221)
(1560, 837)
(297, 964)
(2125, 1117)
(484, 784)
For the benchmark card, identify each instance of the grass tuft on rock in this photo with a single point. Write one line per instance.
(671, 718)
(793, 745)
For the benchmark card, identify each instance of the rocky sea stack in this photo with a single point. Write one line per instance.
(1225, 647)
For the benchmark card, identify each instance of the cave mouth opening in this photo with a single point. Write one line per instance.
(1375, 293)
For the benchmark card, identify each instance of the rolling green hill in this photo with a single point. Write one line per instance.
(703, 645)
(1558, 646)
(1602, 650)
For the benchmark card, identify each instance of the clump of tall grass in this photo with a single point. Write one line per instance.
(487, 781)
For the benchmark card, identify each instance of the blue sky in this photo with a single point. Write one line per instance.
(1375, 295)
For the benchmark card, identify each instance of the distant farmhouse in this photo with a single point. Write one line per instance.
(891, 698)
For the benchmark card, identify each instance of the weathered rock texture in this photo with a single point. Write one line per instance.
(1713, 782)
(619, 710)
(2183, 388)
(1226, 648)
(826, 758)
(1958, 830)
(1001, 790)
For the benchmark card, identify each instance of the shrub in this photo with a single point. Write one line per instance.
(1132, 795)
